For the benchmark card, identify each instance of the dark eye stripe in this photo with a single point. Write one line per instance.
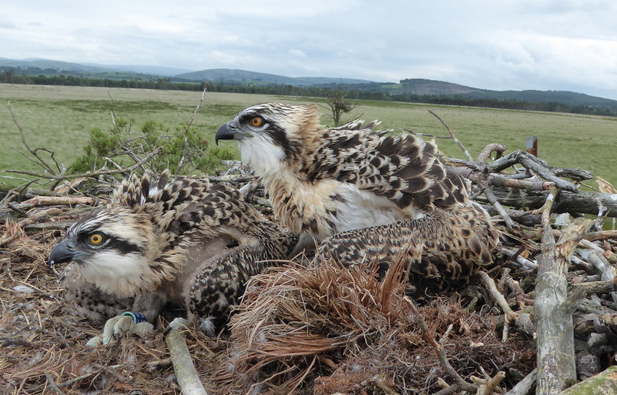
(122, 246)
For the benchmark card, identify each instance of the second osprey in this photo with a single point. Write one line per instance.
(327, 180)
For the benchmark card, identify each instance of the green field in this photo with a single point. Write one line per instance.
(60, 118)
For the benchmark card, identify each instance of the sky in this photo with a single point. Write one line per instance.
(502, 45)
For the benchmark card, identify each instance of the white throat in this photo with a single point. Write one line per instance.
(264, 156)
(122, 275)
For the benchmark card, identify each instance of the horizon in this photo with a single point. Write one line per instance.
(181, 71)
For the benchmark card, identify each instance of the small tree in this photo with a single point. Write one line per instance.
(338, 104)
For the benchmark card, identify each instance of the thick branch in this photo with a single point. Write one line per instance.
(187, 376)
(554, 328)
(567, 202)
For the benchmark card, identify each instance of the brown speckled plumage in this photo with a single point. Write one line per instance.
(180, 240)
(443, 246)
(317, 177)
(388, 195)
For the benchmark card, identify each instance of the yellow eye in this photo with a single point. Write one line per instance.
(257, 121)
(96, 238)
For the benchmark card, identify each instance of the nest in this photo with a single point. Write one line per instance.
(327, 329)
(322, 328)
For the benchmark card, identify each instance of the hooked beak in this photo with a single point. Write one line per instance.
(63, 252)
(228, 132)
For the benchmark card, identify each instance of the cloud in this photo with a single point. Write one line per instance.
(6, 24)
(522, 44)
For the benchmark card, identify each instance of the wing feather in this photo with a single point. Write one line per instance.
(404, 169)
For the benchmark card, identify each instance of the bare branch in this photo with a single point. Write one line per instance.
(456, 140)
(489, 149)
(441, 352)
(188, 127)
(40, 162)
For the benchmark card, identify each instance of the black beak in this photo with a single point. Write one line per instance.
(63, 252)
(225, 132)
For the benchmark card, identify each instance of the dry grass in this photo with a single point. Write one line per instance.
(325, 328)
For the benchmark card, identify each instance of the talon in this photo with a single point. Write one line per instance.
(94, 342)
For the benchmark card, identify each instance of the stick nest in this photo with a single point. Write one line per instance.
(320, 328)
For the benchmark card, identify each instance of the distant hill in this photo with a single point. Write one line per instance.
(415, 89)
(421, 87)
(251, 77)
(52, 65)
(149, 70)
(425, 87)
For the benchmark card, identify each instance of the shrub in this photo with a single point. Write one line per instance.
(154, 147)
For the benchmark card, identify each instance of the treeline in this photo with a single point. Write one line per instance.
(352, 92)
(11, 77)
(511, 104)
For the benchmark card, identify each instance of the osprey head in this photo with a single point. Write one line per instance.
(112, 248)
(270, 134)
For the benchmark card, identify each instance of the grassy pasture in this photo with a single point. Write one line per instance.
(60, 118)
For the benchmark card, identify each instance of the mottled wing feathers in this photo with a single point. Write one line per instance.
(184, 204)
(404, 169)
(443, 246)
(221, 283)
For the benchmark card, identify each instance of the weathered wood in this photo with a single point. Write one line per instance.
(600, 384)
(187, 376)
(554, 325)
(567, 202)
(524, 386)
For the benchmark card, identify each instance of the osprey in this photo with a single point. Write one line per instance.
(388, 189)
(326, 180)
(168, 240)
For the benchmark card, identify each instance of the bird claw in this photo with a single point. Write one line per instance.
(120, 325)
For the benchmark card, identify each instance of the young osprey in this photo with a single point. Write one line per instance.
(391, 192)
(326, 180)
(161, 240)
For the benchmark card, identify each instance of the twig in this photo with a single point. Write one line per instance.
(488, 386)
(188, 127)
(490, 196)
(52, 384)
(231, 179)
(524, 262)
(427, 135)
(499, 298)
(524, 386)
(86, 376)
(529, 184)
(606, 254)
(40, 162)
(476, 173)
(601, 235)
(489, 149)
(542, 169)
(456, 140)
(90, 174)
(57, 200)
